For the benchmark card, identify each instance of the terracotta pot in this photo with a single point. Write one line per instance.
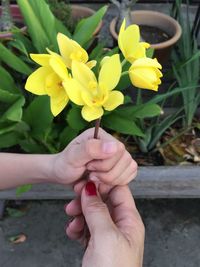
(80, 12)
(17, 17)
(159, 20)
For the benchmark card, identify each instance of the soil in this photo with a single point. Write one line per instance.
(153, 35)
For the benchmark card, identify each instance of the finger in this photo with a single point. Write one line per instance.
(128, 175)
(125, 213)
(79, 187)
(95, 211)
(82, 153)
(107, 164)
(111, 176)
(75, 229)
(74, 207)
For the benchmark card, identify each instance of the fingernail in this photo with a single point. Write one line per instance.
(109, 147)
(90, 189)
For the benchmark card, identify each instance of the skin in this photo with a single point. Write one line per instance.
(106, 158)
(116, 230)
(116, 233)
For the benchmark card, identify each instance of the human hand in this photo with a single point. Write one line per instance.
(116, 229)
(105, 158)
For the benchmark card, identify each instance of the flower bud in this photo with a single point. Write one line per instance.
(144, 73)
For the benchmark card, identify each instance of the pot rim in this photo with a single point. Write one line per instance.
(174, 23)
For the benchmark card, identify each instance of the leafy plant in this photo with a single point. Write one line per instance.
(186, 68)
(19, 124)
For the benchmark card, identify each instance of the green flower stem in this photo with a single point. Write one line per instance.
(123, 62)
(124, 73)
(139, 97)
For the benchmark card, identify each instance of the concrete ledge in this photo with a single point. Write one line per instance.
(151, 182)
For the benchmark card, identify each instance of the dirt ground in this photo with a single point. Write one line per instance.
(172, 235)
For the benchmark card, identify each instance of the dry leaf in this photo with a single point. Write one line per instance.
(18, 239)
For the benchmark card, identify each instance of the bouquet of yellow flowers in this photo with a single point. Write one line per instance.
(68, 76)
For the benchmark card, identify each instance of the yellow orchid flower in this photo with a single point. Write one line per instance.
(94, 95)
(129, 42)
(48, 80)
(70, 51)
(144, 73)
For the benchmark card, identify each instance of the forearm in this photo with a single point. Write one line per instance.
(19, 169)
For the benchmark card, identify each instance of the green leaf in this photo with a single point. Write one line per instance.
(75, 119)
(86, 27)
(27, 43)
(23, 189)
(38, 116)
(60, 27)
(8, 97)
(140, 111)
(121, 125)
(14, 113)
(7, 82)
(147, 111)
(9, 139)
(47, 20)
(31, 146)
(17, 44)
(13, 61)
(35, 29)
(66, 136)
(160, 128)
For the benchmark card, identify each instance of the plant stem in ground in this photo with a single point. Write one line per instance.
(6, 22)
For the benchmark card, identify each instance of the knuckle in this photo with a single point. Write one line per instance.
(134, 166)
(96, 207)
(90, 147)
(121, 147)
(127, 157)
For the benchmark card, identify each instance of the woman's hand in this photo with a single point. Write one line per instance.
(105, 158)
(116, 229)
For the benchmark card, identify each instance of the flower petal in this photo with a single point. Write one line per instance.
(91, 113)
(129, 39)
(82, 74)
(70, 49)
(105, 77)
(140, 81)
(41, 59)
(146, 62)
(87, 98)
(59, 67)
(115, 99)
(37, 80)
(53, 84)
(58, 103)
(122, 29)
(91, 64)
(74, 89)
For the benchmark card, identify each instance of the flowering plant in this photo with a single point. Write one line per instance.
(69, 75)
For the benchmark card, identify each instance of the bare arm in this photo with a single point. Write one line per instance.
(106, 158)
(19, 169)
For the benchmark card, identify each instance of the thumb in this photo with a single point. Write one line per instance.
(83, 152)
(95, 210)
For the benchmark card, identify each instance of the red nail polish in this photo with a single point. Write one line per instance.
(90, 189)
